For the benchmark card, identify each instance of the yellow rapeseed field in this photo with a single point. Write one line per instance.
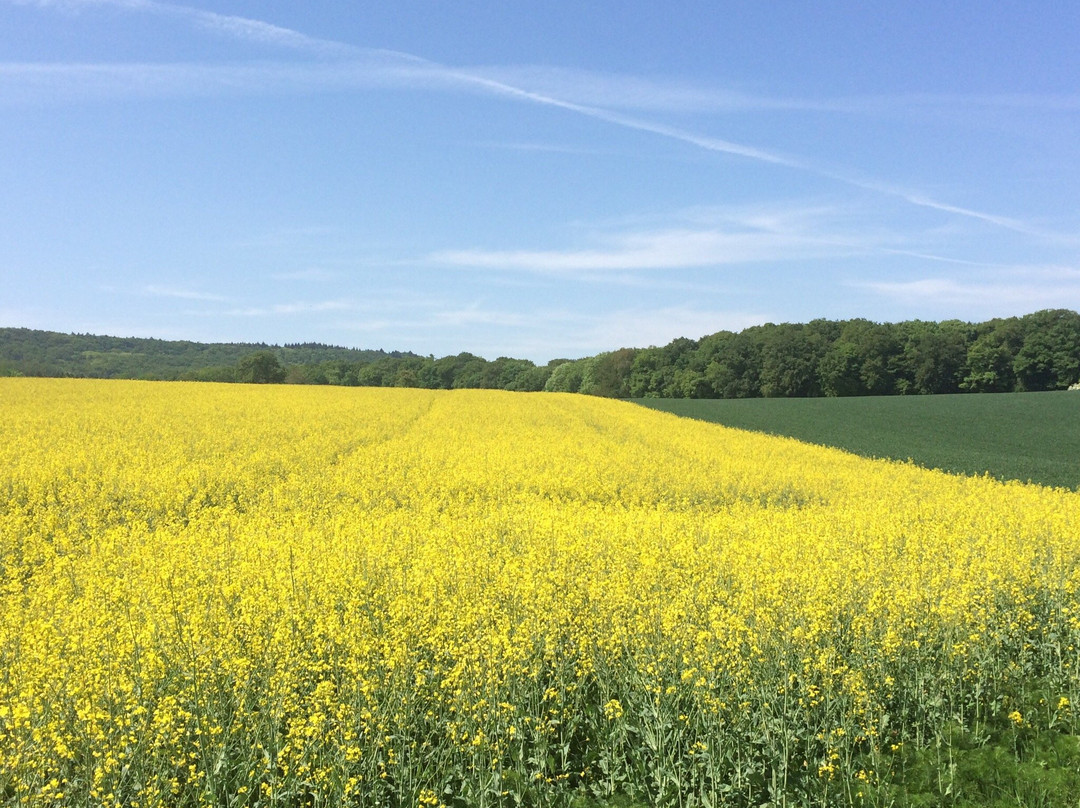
(283, 596)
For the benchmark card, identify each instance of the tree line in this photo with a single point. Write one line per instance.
(1039, 351)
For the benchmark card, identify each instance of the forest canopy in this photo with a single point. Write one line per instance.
(1039, 351)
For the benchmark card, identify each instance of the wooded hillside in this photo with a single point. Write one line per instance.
(1039, 351)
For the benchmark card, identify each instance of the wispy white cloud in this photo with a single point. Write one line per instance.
(74, 4)
(1051, 272)
(575, 86)
(542, 148)
(620, 91)
(257, 31)
(477, 315)
(642, 327)
(671, 249)
(609, 116)
(181, 294)
(36, 82)
(924, 201)
(1007, 289)
(553, 334)
(589, 95)
(299, 307)
(703, 238)
(354, 67)
(310, 274)
(944, 259)
(655, 282)
(770, 156)
(384, 303)
(671, 94)
(233, 26)
(367, 69)
(542, 335)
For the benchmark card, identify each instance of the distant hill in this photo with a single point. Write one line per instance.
(29, 352)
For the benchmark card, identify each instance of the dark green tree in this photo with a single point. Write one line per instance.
(567, 377)
(839, 370)
(532, 380)
(858, 361)
(646, 375)
(505, 372)
(789, 360)
(933, 358)
(1049, 358)
(735, 372)
(991, 356)
(261, 367)
(608, 374)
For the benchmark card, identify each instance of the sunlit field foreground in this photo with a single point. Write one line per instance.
(238, 595)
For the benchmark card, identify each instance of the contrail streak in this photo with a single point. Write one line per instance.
(253, 30)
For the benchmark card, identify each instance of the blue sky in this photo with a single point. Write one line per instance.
(532, 180)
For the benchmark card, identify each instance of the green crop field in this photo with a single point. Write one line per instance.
(1012, 436)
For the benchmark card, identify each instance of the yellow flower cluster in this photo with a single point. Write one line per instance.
(240, 595)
